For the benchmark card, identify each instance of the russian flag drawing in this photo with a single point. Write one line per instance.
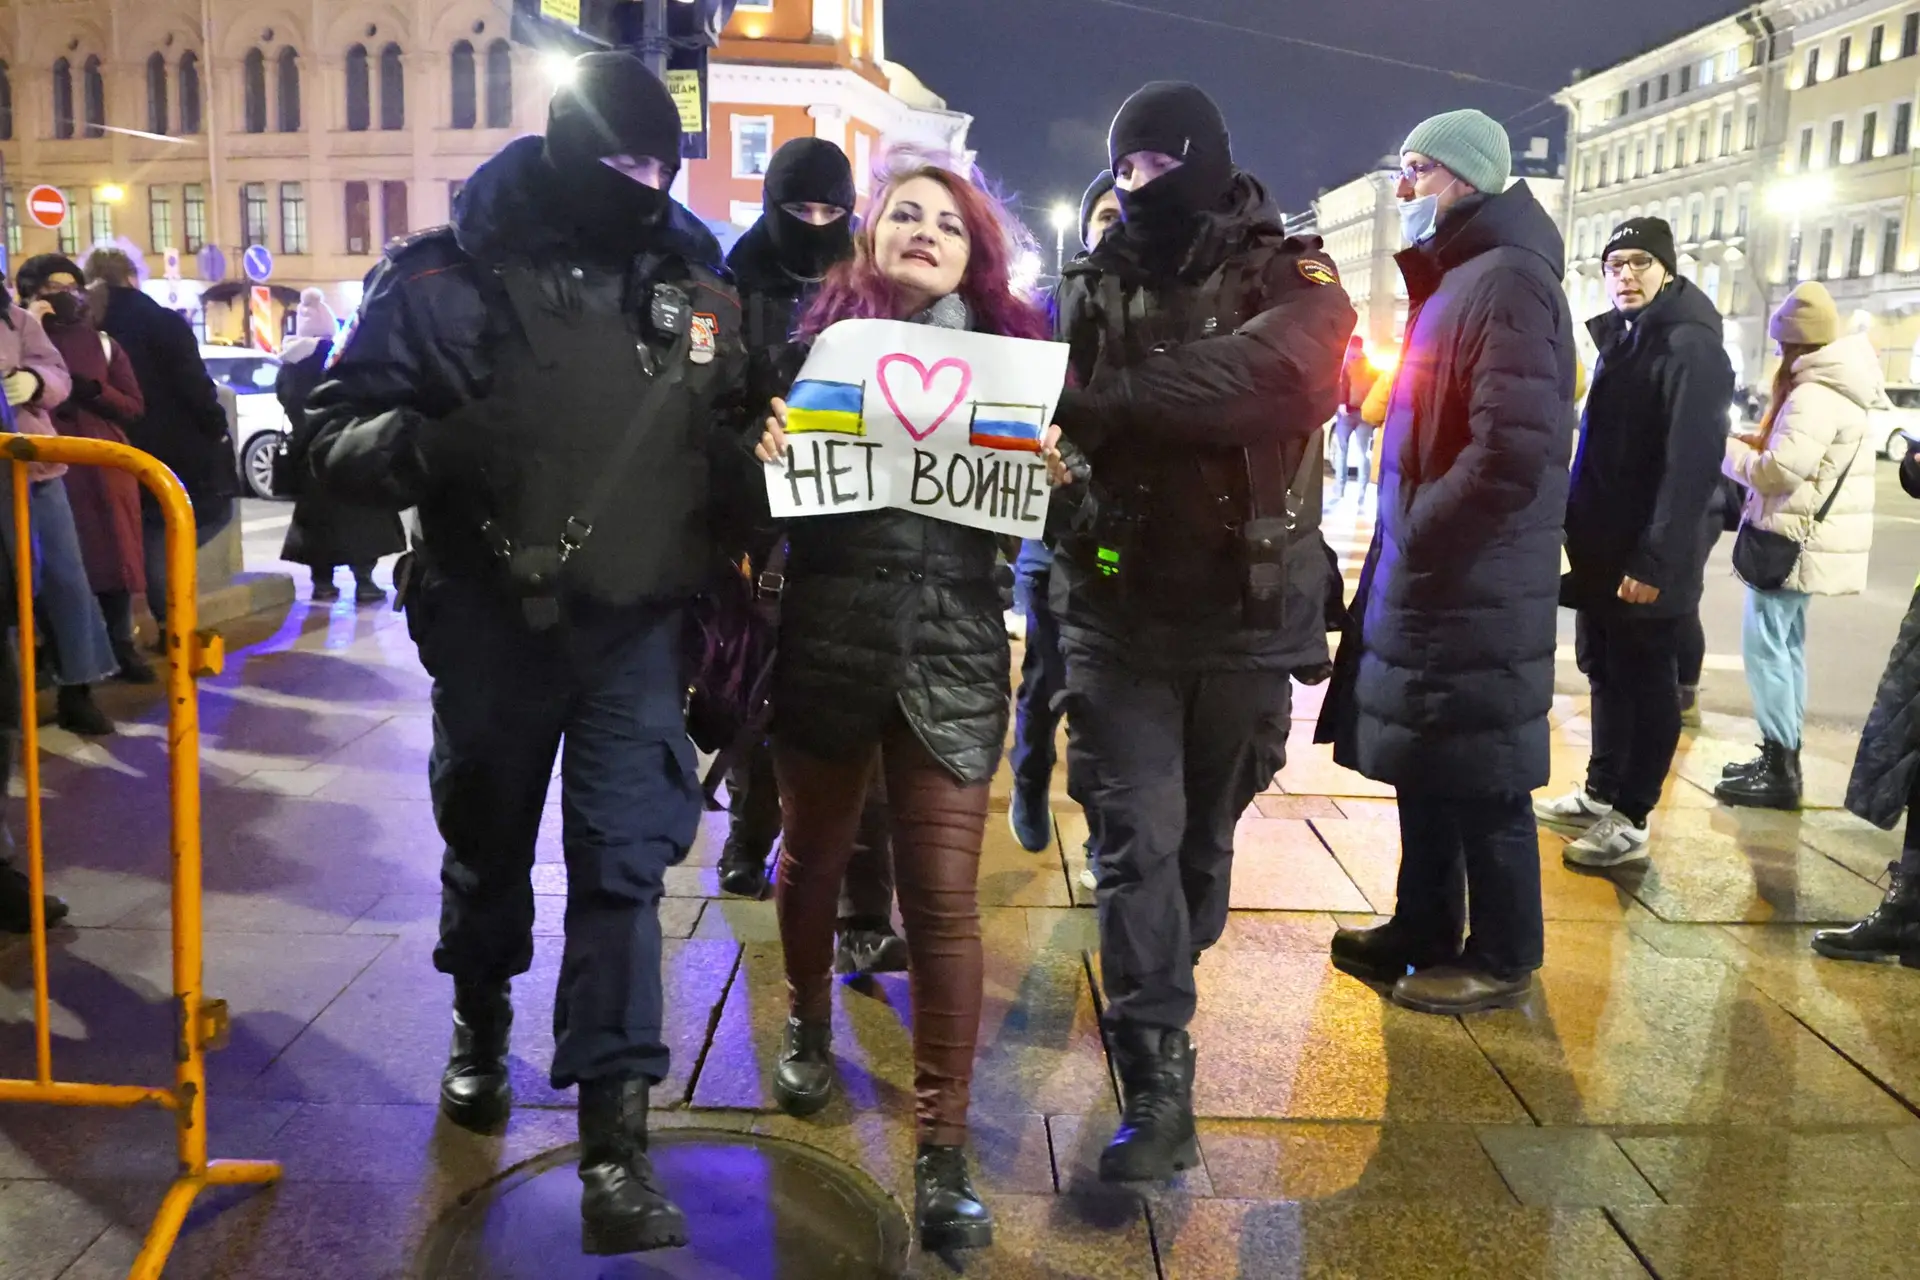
(1016, 428)
(834, 408)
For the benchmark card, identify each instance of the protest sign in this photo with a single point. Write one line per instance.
(938, 421)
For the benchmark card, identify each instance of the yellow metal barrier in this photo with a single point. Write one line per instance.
(200, 1023)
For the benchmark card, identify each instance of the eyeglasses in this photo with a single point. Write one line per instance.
(1418, 169)
(1639, 264)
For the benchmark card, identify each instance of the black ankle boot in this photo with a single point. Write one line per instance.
(76, 712)
(1891, 932)
(623, 1208)
(1743, 768)
(475, 1092)
(1775, 785)
(1156, 1135)
(1384, 953)
(803, 1080)
(946, 1209)
(16, 902)
(743, 868)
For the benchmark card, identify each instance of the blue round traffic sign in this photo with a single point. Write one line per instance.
(213, 263)
(258, 263)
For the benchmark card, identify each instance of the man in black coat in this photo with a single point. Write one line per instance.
(806, 228)
(544, 380)
(1445, 675)
(183, 426)
(1651, 445)
(1192, 584)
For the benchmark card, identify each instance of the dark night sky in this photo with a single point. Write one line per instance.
(1042, 78)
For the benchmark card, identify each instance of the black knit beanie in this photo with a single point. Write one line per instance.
(1181, 121)
(1652, 235)
(1095, 193)
(615, 106)
(810, 171)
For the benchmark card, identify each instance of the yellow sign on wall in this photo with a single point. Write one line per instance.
(564, 10)
(685, 88)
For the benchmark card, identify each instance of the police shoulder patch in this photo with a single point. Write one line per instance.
(1318, 272)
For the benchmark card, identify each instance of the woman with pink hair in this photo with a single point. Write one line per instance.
(894, 656)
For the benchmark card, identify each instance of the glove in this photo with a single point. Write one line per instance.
(85, 389)
(21, 385)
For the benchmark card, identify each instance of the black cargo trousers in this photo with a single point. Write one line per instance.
(1164, 764)
(608, 685)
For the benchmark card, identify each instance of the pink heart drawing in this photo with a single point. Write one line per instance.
(927, 376)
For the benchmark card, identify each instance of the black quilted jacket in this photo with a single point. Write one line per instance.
(1888, 761)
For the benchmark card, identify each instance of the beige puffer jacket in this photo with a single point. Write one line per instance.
(1818, 431)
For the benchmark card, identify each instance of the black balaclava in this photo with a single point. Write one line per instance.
(809, 171)
(614, 106)
(1179, 120)
(1095, 193)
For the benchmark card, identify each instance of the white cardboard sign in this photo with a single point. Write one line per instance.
(938, 421)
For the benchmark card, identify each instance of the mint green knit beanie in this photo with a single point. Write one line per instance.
(1470, 143)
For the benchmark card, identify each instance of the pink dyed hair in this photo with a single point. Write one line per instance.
(855, 289)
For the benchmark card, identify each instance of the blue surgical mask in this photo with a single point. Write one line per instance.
(1418, 216)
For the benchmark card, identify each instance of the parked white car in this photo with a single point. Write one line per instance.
(1896, 430)
(262, 426)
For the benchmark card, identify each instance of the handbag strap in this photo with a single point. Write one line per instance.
(1841, 483)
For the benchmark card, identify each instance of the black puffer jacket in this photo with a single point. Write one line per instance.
(889, 612)
(1651, 445)
(1445, 676)
(184, 425)
(1168, 417)
(1888, 759)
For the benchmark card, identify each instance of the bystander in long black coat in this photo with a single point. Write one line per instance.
(1445, 676)
(1888, 758)
(1651, 445)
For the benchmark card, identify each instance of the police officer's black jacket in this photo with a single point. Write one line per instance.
(891, 613)
(770, 302)
(1167, 406)
(441, 385)
(1651, 445)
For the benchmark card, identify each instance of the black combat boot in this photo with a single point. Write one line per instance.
(1744, 768)
(474, 1090)
(946, 1208)
(803, 1080)
(623, 1208)
(16, 901)
(1891, 932)
(1775, 785)
(1156, 1136)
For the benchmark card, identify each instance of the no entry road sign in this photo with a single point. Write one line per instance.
(47, 207)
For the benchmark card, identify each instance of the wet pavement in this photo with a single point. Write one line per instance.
(1689, 1093)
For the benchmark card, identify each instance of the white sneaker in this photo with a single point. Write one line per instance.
(1613, 841)
(1088, 879)
(1576, 809)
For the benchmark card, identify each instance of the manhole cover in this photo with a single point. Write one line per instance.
(758, 1209)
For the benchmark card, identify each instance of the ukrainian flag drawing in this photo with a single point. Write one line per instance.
(1013, 427)
(834, 408)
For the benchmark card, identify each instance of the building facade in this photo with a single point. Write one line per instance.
(323, 129)
(1845, 187)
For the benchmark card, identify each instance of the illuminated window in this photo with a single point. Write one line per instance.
(159, 219)
(752, 145)
(101, 223)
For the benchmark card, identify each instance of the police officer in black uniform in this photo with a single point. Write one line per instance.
(544, 380)
(1192, 581)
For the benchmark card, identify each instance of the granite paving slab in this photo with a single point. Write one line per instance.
(1565, 1167)
(1741, 1168)
(1397, 1163)
(1772, 1242)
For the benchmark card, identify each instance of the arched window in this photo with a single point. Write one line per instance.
(253, 76)
(189, 93)
(393, 89)
(62, 98)
(94, 89)
(6, 104)
(359, 112)
(499, 85)
(289, 90)
(156, 94)
(466, 110)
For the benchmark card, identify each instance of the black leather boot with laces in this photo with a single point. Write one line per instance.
(1892, 932)
(1156, 1136)
(946, 1209)
(803, 1079)
(475, 1092)
(623, 1207)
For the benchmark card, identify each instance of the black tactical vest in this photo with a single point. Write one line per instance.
(594, 440)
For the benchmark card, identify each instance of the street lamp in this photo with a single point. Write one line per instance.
(112, 193)
(560, 69)
(1063, 217)
(1792, 198)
